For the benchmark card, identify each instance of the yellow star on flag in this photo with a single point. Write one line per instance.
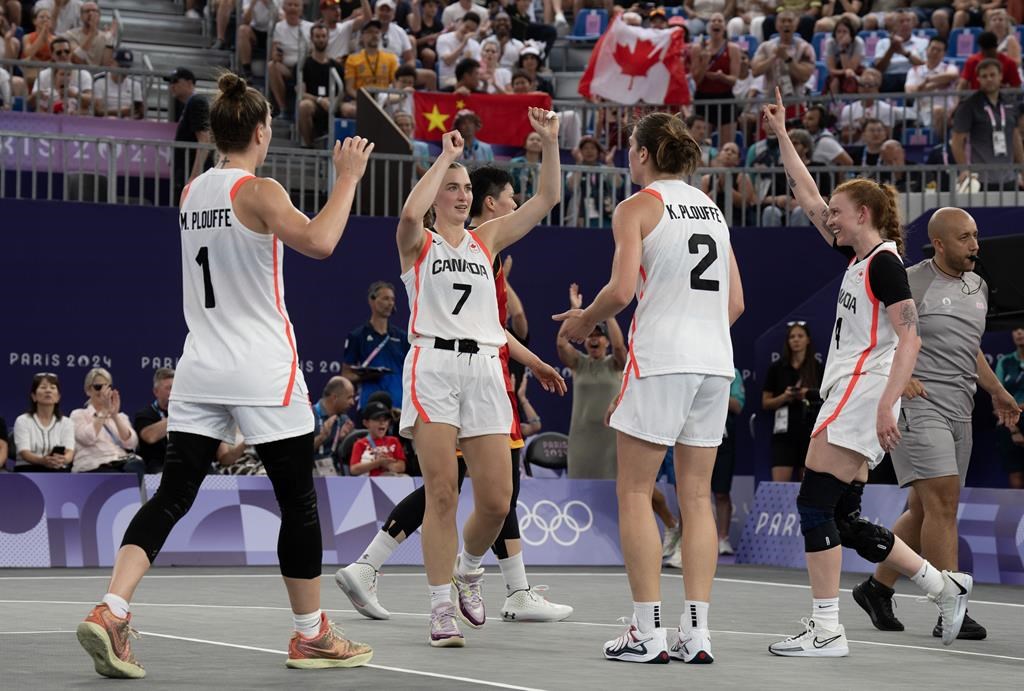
(437, 119)
(460, 104)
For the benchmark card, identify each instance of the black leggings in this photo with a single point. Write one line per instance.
(407, 516)
(289, 464)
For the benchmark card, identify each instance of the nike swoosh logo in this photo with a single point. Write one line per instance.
(818, 643)
(963, 591)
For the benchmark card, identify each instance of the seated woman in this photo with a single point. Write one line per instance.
(44, 439)
(103, 434)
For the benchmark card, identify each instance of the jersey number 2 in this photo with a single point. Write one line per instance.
(203, 260)
(696, 282)
(466, 290)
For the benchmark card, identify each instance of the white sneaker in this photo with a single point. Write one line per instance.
(725, 547)
(633, 646)
(693, 647)
(670, 544)
(192, 14)
(359, 582)
(676, 560)
(952, 603)
(530, 605)
(813, 642)
(561, 24)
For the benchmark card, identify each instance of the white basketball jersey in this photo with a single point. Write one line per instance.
(451, 292)
(863, 339)
(240, 348)
(681, 323)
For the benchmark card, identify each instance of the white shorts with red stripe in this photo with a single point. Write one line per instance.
(258, 424)
(849, 415)
(670, 409)
(464, 390)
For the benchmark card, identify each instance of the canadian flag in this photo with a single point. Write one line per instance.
(630, 64)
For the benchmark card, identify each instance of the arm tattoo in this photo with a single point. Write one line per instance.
(908, 318)
(792, 182)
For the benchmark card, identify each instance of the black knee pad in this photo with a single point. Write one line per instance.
(816, 503)
(848, 508)
(872, 542)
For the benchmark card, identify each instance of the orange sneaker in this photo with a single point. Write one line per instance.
(106, 638)
(327, 649)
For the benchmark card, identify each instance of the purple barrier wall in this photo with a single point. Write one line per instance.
(990, 522)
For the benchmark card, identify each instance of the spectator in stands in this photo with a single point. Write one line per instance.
(289, 43)
(43, 438)
(805, 15)
(970, 12)
(455, 46)
(936, 13)
(258, 16)
(469, 124)
(525, 29)
(780, 208)
(1010, 371)
(426, 26)
(494, 78)
(749, 18)
(895, 55)
(987, 120)
(455, 11)
(420, 150)
(90, 45)
(67, 14)
(377, 454)
(315, 105)
(61, 89)
(791, 394)
(521, 82)
(369, 68)
(193, 127)
(698, 17)
(869, 151)
(150, 423)
(844, 57)
(467, 78)
(988, 50)
(405, 80)
(730, 189)
(725, 464)
(117, 94)
(525, 169)
(104, 437)
(827, 148)
(786, 62)
(657, 19)
(339, 33)
(375, 352)
(894, 156)
(331, 423)
(530, 63)
(746, 89)
(590, 197)
(715, 68)
(596, 380)
(6, 92)
(509, 47)
(855, 113)
(998, 22)
(935, 74)
(36, 45)
(698, 127)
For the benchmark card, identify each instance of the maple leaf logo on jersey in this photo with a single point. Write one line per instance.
(636, 62)
(473, 247)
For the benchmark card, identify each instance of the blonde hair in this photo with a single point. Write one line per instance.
(90, 377)
(880, 201)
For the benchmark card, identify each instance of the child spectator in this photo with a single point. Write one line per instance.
(377, 454)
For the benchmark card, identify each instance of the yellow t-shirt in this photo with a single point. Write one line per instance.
(379, 71)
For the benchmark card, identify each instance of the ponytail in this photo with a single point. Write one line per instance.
(881, 201)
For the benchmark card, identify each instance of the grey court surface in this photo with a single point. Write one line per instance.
(229, 627)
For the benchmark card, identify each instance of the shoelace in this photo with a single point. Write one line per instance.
(534, 593)
(808, 628)
(471, 593)
(626, 636)
(446, 618)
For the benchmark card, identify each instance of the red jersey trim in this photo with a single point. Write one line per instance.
(184, 193)
(287, 327)
(490, 259)
(416, 267)
(238, 185)
(412, 385)
(654, 193)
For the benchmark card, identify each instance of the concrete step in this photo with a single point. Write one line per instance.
(154, 6)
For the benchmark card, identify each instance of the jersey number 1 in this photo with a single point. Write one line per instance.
(696, 282)
(203, 260)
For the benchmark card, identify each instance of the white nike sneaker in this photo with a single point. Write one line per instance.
(693, 647)
(530, 605)
(634, 646)
(813, 642)
(725, 547)
(670, 544)
(952, 603)
(675, 561)
(359, 582)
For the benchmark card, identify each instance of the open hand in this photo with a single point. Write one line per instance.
(549, 378)
(885, 427)
(351, 156)
(577, 327)
(575, 298)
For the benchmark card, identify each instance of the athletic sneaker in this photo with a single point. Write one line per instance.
(725, 547)
(670, 545)
(444, 630)
(675, 561)
(693, 646)
(359, 582)
(969, 631)
(469, 588)
(634, 646)
(876, 599)
(813, 642)
(328, 648)
(106, 637)
(561, 24)
(952, 603)
(530, 605)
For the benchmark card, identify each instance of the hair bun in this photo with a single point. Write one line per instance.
(231, 85)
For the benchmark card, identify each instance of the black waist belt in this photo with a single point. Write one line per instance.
(462, 345)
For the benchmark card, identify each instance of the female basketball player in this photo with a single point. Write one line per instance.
(672, 248)
(870, 360)
(452, 377)
(239, 367)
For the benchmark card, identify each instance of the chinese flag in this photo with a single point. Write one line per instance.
(503, 115)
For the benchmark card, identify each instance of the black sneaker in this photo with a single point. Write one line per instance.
(876, 599)
(970, 631)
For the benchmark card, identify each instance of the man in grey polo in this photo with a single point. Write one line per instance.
(935, 418)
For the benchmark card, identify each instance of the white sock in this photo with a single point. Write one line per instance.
(514, 572)
(928, 579)
(440, 595)
(308, 625)
(468, 563)
(694, 616)
(647, 615)
(825, 613)
(379, 550)
(117, 604)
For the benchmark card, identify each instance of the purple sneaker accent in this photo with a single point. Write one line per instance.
(471, 599)
(444, 630)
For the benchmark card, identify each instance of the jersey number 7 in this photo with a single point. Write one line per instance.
(466, 290)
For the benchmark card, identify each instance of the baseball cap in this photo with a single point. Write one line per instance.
(602, 327)
(373, 23)
(375, 410)
(124, 57)
(385, 3)
(381, 396)
(182, 73)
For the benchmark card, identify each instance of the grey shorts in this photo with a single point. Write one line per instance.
(931, 445)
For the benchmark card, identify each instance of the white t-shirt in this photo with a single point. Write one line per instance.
(856, 112)
(31, 435)
(78, 81)
(455, 12)
(395, 40)
(68, 18)
(263, 13)
(916, 45)
(341, 40)
(916, 77)
(826, 148)
(294, 40)
(446, 43)
(509, 57)
(5, 87)
(116, 96)
(501, 81)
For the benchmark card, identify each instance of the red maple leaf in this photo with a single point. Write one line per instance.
(636, 62)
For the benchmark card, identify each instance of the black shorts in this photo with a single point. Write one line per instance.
(725, 463)
(790, 450)
(716, 114)
(1011, 455)
(319, 121)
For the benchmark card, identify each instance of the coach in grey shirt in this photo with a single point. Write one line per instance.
(935, 419)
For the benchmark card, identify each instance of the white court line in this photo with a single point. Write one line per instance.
(435, 675)
(29, 633)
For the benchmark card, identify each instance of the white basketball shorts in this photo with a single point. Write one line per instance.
(670, 409)
(849, 415)
(258, 424)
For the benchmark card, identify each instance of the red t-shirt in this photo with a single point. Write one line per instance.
(363, 445)
(1011, 77)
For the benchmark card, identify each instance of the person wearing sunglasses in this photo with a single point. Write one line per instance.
(104, 435)
(59, 89)
(43, 438)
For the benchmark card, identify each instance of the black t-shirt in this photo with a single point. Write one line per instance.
(3, 430)
(152, 453)
(317, 76)
(195, 118)
(802, 414)
(886, 275)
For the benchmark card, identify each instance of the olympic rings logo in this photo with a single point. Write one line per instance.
(562, 524)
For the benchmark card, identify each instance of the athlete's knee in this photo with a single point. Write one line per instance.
(494, 503)
(442, 498)
(816, 503)
(872, 542)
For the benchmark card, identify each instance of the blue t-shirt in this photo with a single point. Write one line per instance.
(361, 343)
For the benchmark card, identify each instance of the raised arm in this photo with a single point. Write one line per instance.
(805, 190)
(419, 201)
(567, 353)
(903, 317)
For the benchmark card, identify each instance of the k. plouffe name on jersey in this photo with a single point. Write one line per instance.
(693, 212)
(205, 219)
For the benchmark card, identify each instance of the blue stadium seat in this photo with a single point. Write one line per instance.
(674, 11)
(963, 41)
(871, 39)
(748, 43)
(822, 70)
(818, 42)
(926, 33)
(918, 136)
(589, 25)
(344, 127)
